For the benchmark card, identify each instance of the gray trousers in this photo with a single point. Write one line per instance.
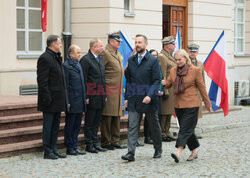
(133, 129)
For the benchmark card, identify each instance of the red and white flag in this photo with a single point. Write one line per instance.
(216, 65)
(44, 15)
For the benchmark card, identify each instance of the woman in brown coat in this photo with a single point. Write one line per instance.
(186, 79)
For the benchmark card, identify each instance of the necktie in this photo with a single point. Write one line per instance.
(139, 59)
(98, 59)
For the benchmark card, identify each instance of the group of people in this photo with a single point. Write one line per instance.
(157, 86)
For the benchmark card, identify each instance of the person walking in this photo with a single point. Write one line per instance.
(186, 80)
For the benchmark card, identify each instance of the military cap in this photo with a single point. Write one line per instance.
(168, 40)
(115, 35)
(193, 47)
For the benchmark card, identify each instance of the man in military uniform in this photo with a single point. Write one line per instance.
(167, 107)
(193, 51)
(110, 125)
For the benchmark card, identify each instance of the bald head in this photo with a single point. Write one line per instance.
(75, 52)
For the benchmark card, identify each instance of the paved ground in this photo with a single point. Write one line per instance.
(224, 152)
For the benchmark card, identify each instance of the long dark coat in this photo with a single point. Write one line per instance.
(75, 86)
(142, 80)
(51, 82)
(94, 75)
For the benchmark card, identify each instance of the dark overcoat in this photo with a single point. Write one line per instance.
(142, 80)
(75, 86)
(51, 82)
(94, 75)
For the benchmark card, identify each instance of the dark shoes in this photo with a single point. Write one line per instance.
(168, 139)
(109, 147)
(60, 155)
(80, 152)
(75, 152)
(199, 137)
(98, 148)
(49, 156)
(71, 152)
(138, 143)
(157, 154)
(118, 146)
(128, 157)
(91, 149)
(175, 157)
(148, 140)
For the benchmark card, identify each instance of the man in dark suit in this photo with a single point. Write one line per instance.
(77, 100)
(94, 74)
(141, 96)
(52, 95)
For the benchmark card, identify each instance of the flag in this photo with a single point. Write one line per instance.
(178, 40)
(216, 65)
(126, 48)
(44, 15)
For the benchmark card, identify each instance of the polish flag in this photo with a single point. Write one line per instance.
(44, 15)
(216, 67)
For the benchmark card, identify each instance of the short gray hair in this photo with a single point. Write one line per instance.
(93, 42)
(51, 39)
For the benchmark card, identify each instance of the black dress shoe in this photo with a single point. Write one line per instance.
(138, 143)
(171, 138)
(166, 139)
(91, 149)
(98, 148)
(175, 157)
(109, 147)
(60, 155)
(71, 152)
(50, 156)
(157, 154)
(199, 137)
(79, 152)
(118, 146)
(129, 157)
(148, 140)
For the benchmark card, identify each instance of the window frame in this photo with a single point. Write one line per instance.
(236, 23)
(27, 53)
(129, 12)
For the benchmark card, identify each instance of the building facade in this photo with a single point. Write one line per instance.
(200, 21)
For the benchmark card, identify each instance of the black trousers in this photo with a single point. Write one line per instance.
(51, 122)
(91, 124)
(146, 123)
(187, 118)
(71, 130)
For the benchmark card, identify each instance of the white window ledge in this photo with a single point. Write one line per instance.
(242, 55)
(128, 14)
(28, 56)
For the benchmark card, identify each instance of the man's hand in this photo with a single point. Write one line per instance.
(146, 100)
(160, 93)
(126, 103)
(68, 106)
(163, 82)
(87, 101)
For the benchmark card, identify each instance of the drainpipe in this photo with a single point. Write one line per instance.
(67, 28)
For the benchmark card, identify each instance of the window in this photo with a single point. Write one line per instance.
(30, 37)
(239, 27)
(128, 8)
